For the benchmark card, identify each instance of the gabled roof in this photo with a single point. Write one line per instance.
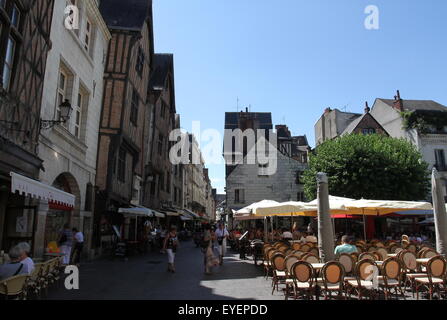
(413, 105)
(354, 124)
(162, 75)
(129, 14)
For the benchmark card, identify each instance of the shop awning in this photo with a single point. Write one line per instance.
(185, 218)
(137, 211)
(158, 214)
(172, 213)
(192, 214)
(140, 211)
(35, 189)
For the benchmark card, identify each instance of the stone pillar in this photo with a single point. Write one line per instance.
(39, 237)
(325, 230)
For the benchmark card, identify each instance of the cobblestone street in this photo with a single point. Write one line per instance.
(145, 277)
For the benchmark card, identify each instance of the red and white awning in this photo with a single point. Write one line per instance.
(35, 189)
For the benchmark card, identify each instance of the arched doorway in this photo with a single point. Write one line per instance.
(59, 215)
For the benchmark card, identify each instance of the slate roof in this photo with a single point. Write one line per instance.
(129, 14)
(264, 118)
(162, 64)
(412, 105)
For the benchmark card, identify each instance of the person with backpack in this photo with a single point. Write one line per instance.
(170, 247)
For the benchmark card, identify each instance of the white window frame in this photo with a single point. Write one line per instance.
(78, 114)
(61, 92)
(88, 35)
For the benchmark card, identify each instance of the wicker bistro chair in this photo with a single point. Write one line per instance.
(367, 255)
(296, 246)
(267, 261)
(333, 274)
(14, 287)
(299, 253)
(429, 253)
(391, 277)
(279, 273)
(310, 258)
(436, 277)
(383, 253)
(348, 264)
(33, 284)
(315, 251)
(289, 262)
(305, 247)
(410, 268)
(363, 284)
(302, 280)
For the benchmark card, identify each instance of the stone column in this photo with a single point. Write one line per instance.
(325, 231)
(39, 237)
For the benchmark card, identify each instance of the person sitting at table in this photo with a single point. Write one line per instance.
(24, 258)
(14, 267)
(345, 247)
(286, 235)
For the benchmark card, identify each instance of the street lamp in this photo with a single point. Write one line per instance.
(64, 116)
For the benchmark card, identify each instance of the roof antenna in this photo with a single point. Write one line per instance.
(237, 105)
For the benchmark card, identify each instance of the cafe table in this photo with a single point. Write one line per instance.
(392, 255)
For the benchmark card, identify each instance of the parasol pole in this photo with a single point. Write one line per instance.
(364, 223)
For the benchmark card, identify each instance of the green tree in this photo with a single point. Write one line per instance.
(369, 167)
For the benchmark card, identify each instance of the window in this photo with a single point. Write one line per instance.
(160, 144)
(168, 183)
(163, 108)
(440, 160)
(162, 182)
(300, 197)
(368, 131)
(79, 110)
(263, 170)
(299, 177)
(134, 108)
(122, 165)
(61, 93)
(88, 35)
(153, 184)
(140, 62)
(10, 31)
(239, 196)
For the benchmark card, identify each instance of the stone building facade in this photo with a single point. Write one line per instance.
(75, 70)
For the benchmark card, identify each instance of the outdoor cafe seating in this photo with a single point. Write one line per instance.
(44, 276)
(302, 275)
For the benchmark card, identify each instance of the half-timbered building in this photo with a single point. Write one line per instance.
(124, 112)
(25, 27)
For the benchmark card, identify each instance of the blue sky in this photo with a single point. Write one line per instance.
(294, 58)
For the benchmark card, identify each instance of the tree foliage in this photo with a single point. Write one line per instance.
(369, 167)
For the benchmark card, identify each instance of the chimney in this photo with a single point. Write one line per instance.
(367, 108)
(398, 103)
(246, 110)
(327, 110)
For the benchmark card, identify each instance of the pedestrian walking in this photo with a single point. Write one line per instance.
(78, 246)
(209, 258)
(222, 236)
(65, 243)
(170, 247)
